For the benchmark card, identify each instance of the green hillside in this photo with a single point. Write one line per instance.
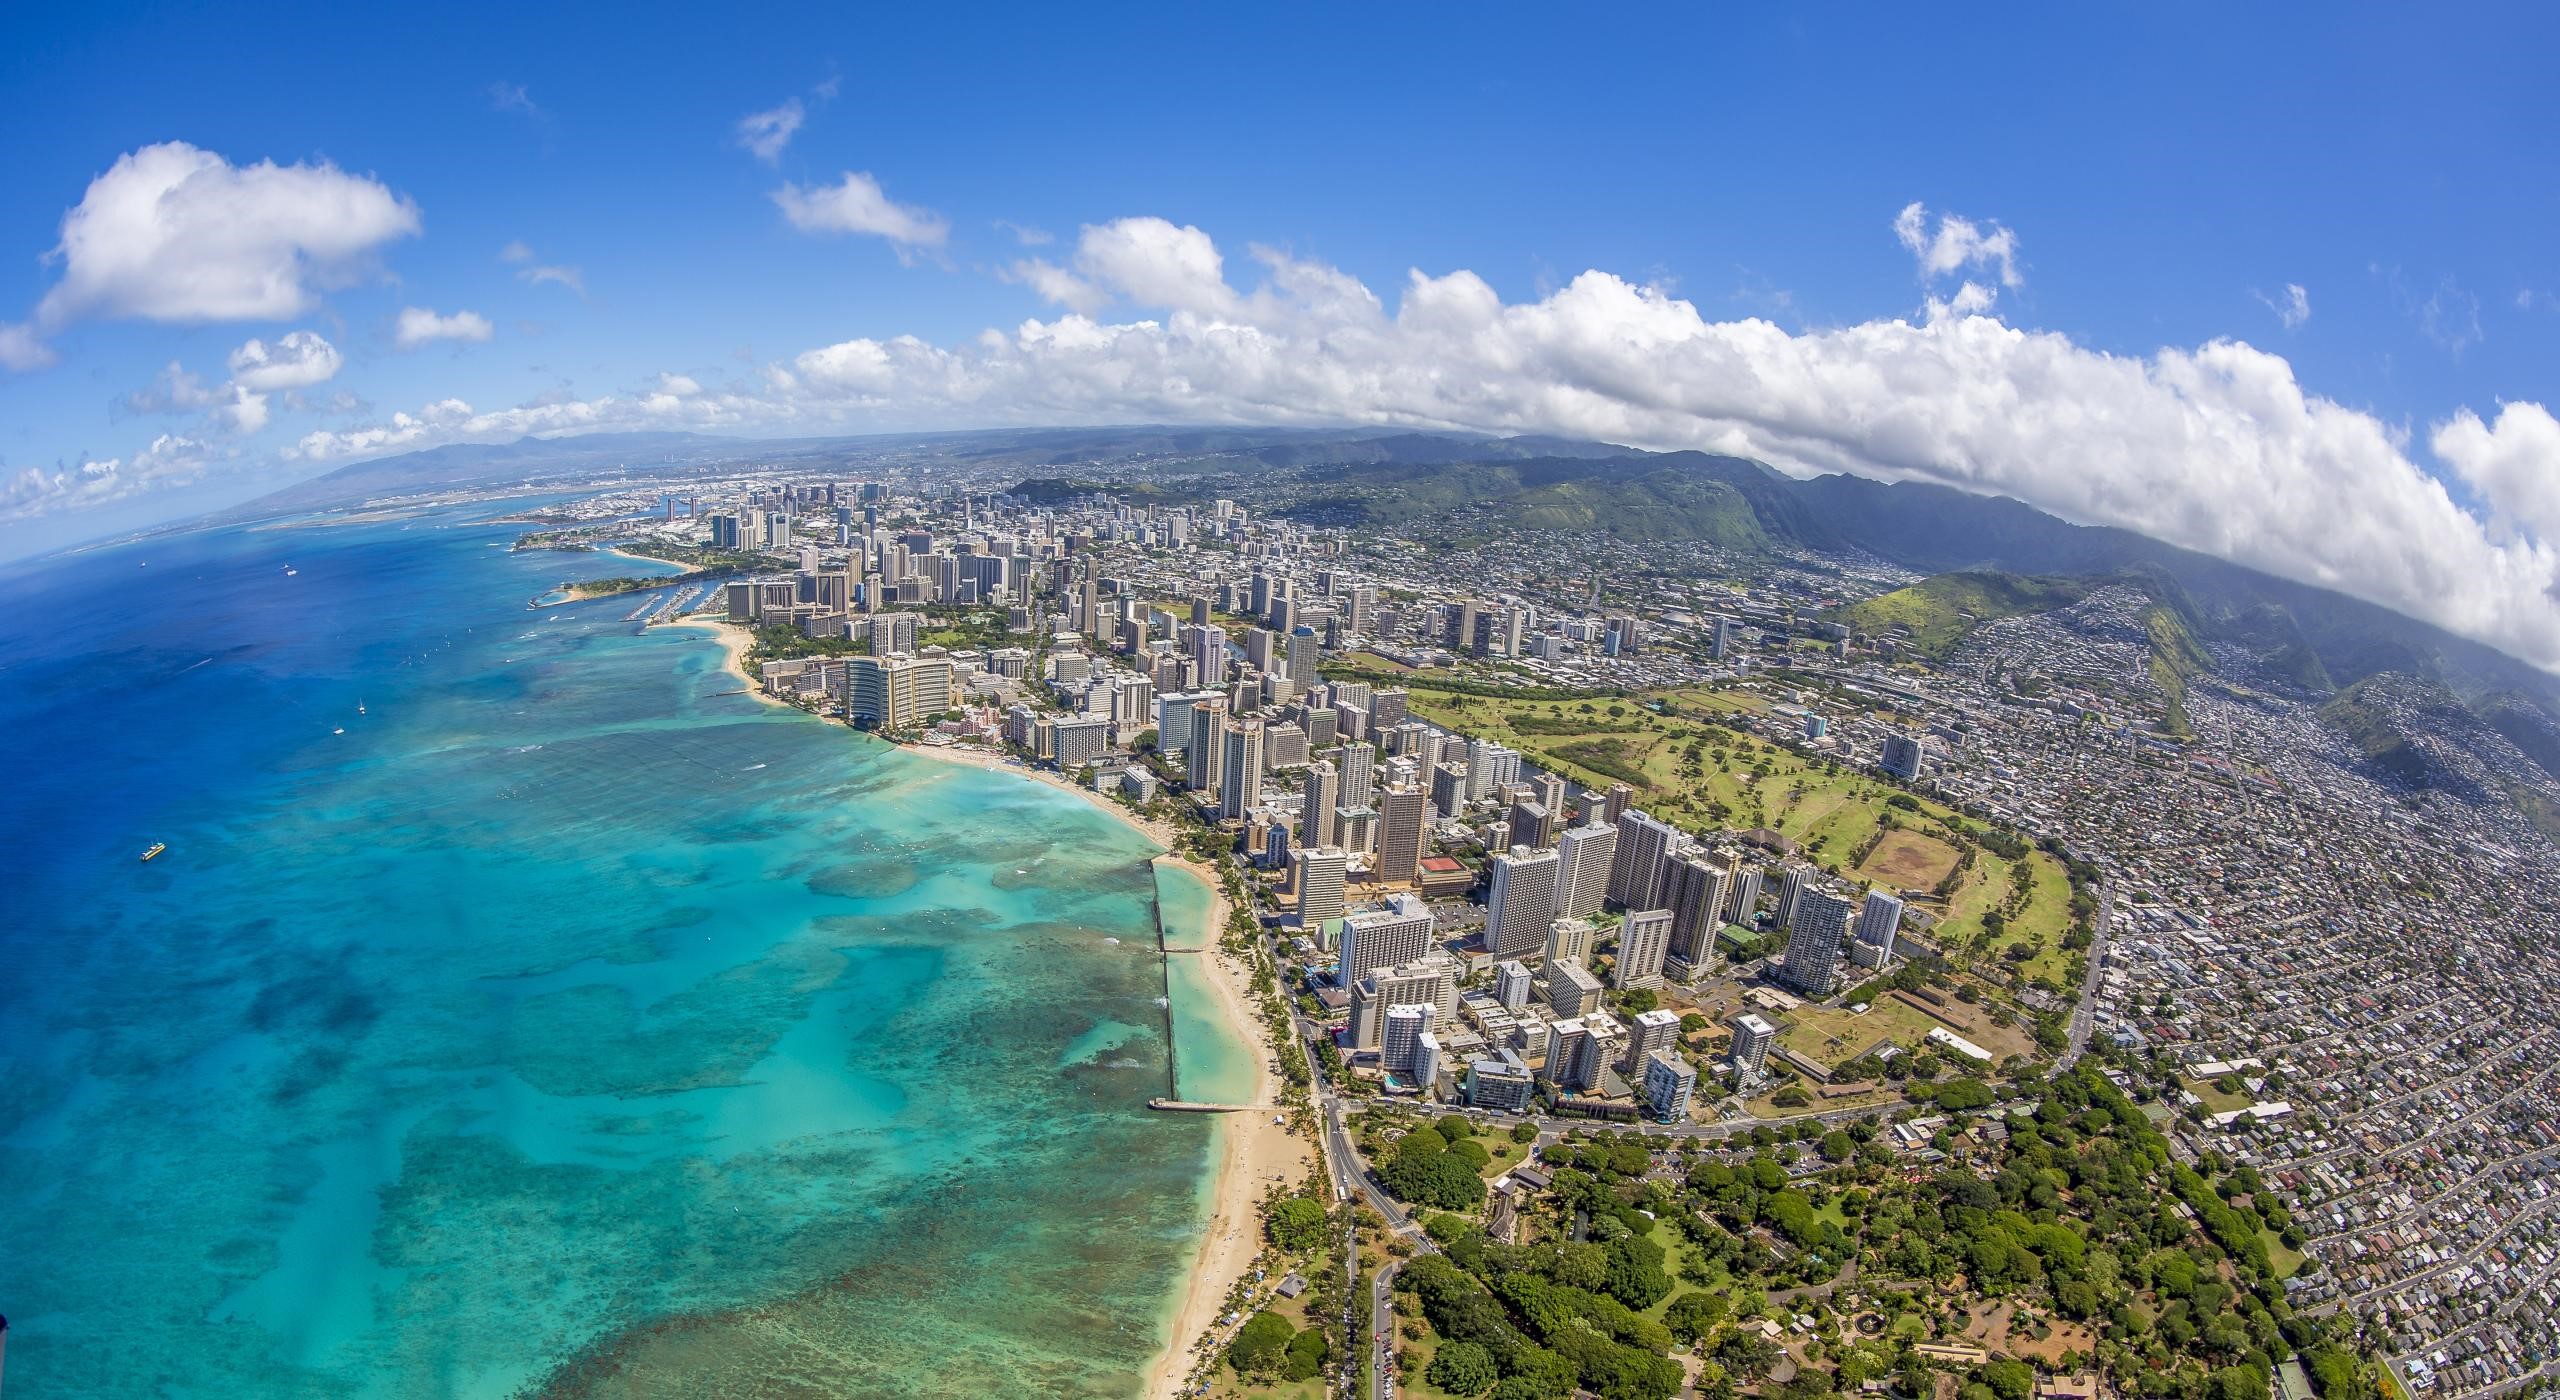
(1940, 612)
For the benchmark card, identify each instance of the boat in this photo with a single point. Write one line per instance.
(290, 571)
(156, 848)
(359, 707)
(341, 729)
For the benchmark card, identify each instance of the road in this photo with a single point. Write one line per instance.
(2084, 1012)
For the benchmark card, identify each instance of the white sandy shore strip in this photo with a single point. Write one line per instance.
(1255, 1153)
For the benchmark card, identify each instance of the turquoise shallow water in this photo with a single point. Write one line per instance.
(560, 1026)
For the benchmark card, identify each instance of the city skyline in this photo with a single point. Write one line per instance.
(2328, 382)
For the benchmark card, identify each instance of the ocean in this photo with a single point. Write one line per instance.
(516, 1012)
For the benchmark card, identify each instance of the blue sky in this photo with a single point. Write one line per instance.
(2163, 177)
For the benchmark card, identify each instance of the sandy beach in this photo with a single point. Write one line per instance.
(1255, 1154)
(734, 641)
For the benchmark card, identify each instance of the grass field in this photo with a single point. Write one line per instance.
(1908, 860)
(1831, 1036)
(2215, 1101)
(1834, 1035)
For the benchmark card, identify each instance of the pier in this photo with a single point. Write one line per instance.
(1187, 1106)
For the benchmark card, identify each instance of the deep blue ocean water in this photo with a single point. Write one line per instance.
(554, 1024)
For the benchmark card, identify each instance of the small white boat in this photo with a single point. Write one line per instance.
(290, 571)
(338, 731)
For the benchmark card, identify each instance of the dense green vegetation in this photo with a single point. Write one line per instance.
(779, 642)
(2072, 1239)
(1942, 611)
(1427, 1168)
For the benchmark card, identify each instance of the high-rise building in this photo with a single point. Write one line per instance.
(1448, 789)
(1813, 948)
(1794, 878)
(1080, 740)
(1581, 1049)
(1321, 870)
(1531, 824)
(1582, 878)
(1568, 1045)
(1400, 1037)
(1490, 766)
(1388, 937)
(1500, 1082)
(1644, 940)
(1571, 938)
(1693, 889)
(1304, 652)
(1746, 891)
(1511, 982)
(1904, 756)
(1571, 989)
(1752, 1037)
(1208, 649)
(896, 692)
(1205, 752)
(1616, 803)
(1521, 902)
(1669, 1080)
(1880, 920)
(1404, 814)
(1323, 784)
(1387, 709)
(1635, 870)
(1240, 769)
(1658, 1029)
(1424, 1071)
(1359, 774)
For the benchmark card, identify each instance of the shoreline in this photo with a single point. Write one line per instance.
(733, 642)
(1253, 1154)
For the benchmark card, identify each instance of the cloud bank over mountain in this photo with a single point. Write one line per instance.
(2217, 447)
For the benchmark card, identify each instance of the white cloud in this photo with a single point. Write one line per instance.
(856, 204)
(21, 350)
(173, 390)
(516, 251)
(419, 326)
(1149, 261)
(2217, 448)
(173, 233)
(243, 412)
(170, 460)
(1958, 243)
(1028, 235)
(297, 360)
(2514, 463)
(682, 386)
(1056, 285)
(2450, 317)
(512, 97)
(765, 133)
(2292, 306)
(568, 277)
